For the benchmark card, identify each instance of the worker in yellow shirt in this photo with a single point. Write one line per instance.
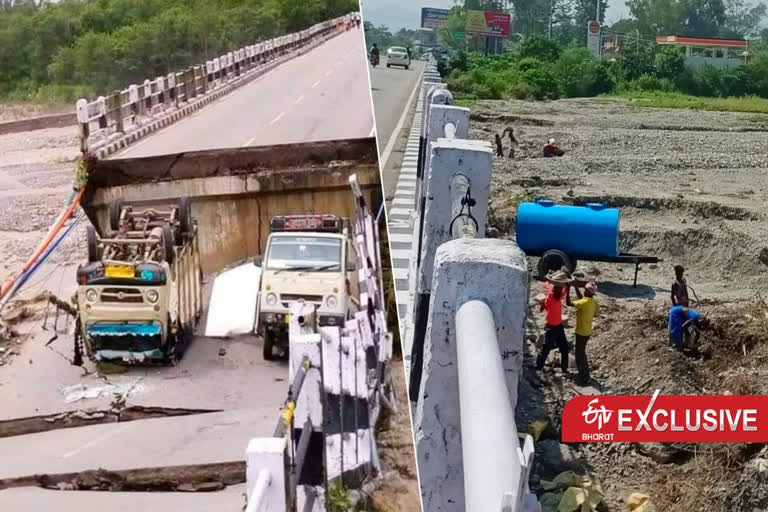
(586, 308)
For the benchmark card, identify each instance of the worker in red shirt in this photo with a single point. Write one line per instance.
(551, 150)
(554, 332)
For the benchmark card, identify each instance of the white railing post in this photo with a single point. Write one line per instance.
(265, 474)
(449, 158)
(489, 439)
(465, 270)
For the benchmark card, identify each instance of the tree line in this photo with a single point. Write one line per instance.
(74, 48)
(543, 69)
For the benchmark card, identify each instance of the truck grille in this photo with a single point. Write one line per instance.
(122, 295)
(289, 297)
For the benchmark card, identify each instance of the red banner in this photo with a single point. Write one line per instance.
(693, 419)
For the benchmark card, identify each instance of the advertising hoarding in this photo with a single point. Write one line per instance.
(489, 24)
(431, 18)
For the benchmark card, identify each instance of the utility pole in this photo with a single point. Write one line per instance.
(638, 39)
(597, 17)
(551, 15)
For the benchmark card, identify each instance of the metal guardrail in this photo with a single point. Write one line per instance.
(464, 390)
(127, 110)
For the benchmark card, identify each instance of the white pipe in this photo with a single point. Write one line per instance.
(489, 439)
(259, 491)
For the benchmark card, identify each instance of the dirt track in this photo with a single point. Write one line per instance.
(692, 188)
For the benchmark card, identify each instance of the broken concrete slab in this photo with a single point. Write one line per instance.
(32, 498)
(199, 439)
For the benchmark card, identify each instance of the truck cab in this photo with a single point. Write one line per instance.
(308, 258)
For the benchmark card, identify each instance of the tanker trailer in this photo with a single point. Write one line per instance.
(561, 235)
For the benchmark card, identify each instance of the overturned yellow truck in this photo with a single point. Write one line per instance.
(161, 224)
(139, 296)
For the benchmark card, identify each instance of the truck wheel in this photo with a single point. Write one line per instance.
(185, 216)
(269, 344)
(554, 260)
(115, 207)
(168, 244)
(93, 244)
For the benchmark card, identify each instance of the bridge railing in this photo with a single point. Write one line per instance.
(133, 110)
(340, 384)
(471, 300)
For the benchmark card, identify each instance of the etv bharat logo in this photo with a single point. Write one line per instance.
(602, 415)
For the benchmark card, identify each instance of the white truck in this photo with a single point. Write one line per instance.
(307, 258)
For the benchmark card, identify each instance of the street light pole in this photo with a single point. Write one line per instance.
(597, 18)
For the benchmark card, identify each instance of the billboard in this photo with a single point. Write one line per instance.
(489, 24)
(431, 18)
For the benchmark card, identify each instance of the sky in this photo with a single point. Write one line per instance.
(406, 13)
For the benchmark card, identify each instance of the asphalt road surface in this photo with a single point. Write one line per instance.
(391, 88)
(228, 375)
(321, 95)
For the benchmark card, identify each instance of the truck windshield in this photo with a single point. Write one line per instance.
(304, 253)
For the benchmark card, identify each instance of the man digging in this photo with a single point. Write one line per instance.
(554, 332)
(586, 308)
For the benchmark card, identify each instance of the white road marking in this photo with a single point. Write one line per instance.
(373, 131)
(298, 100)
(277, 118)
(316, 84)
(399, 127)
(329, 72)
(250, 141)
(95, 441)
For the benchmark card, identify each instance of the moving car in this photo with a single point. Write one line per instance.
(398, 56)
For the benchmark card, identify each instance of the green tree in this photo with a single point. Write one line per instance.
(456, 22)
(539, 48)
(669, 62)
(743, 20)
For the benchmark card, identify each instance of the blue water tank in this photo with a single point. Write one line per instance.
(584, 232)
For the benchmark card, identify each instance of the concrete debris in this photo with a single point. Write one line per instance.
(79, 392)
(638, 502)
(575, 493)
(538, 428)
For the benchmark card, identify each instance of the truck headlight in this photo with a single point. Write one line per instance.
(91, 295)
(332, 301)
(271, 299)
(152, 296)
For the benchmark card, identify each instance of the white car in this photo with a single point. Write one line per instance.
(398, 56)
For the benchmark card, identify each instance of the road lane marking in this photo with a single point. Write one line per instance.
(316, 84)
(277, 118)
(298, 100)
(250, 141)
(373, 131)
(391, 144)
(95, 441)
(328, 73)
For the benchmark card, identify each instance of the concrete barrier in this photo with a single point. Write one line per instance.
(38, 123)
(467, 328)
